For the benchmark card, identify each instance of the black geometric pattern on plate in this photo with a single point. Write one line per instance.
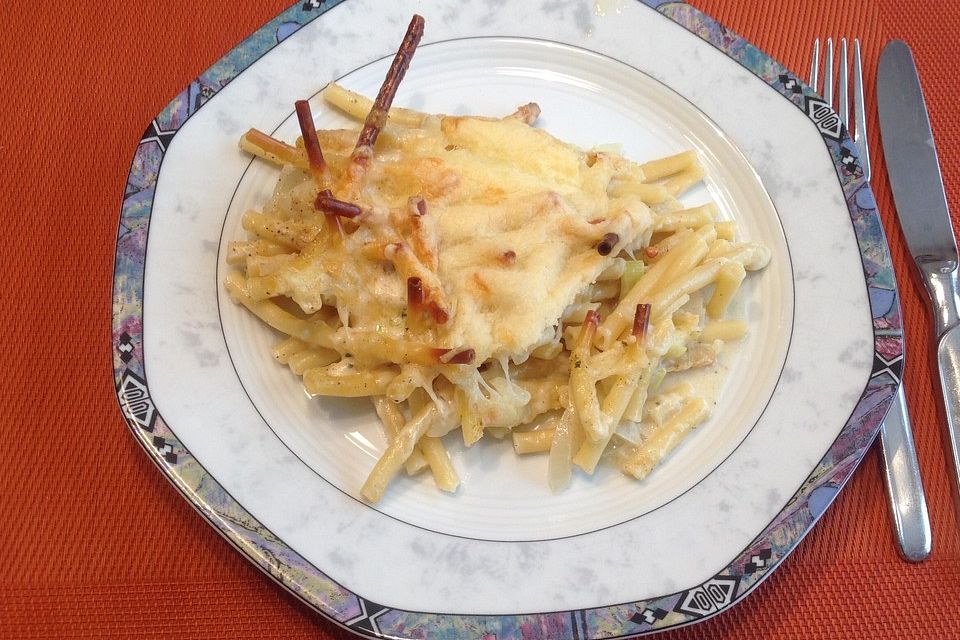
(649, 616)
(710, 597)
(823, 115)
(367, 620)
(790, 84)
(135, 400)
(155, 134)
(125, 347)
(894, 367)
(848, 160)
(758, 561)
(165, 449)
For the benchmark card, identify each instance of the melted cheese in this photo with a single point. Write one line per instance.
(516, 215)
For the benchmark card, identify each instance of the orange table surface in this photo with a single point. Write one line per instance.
(97, 544)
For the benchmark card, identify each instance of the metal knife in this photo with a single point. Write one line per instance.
(921, 204)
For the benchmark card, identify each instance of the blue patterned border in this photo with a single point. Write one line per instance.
(367, 618)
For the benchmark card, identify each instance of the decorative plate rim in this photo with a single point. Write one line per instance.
(275, 558)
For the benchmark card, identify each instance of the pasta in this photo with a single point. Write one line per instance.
(478, 275)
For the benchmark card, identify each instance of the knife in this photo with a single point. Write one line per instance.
(921, 204)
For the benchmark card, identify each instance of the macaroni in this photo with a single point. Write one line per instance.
(477, 274)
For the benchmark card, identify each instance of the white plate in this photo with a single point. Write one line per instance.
(279, 473)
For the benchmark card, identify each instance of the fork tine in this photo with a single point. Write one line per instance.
(828, 74)
(843, 106)
(860, 112)
(815, 65)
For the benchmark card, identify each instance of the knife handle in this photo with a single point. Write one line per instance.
(940, 279)
(948, 361)
(908, 505)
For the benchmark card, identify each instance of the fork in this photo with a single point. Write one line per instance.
(908, 506)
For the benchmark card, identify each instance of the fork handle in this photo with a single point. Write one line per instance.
(908, 506)
(948, 361)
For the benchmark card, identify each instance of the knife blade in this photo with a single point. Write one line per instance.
(911, 157)
(921, 205)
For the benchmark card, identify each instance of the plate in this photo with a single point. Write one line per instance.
(278, 474)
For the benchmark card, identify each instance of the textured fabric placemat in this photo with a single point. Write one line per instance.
(97, 544)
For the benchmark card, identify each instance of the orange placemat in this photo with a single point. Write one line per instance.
(98, 545)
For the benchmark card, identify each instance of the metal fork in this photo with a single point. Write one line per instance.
(908, 506)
